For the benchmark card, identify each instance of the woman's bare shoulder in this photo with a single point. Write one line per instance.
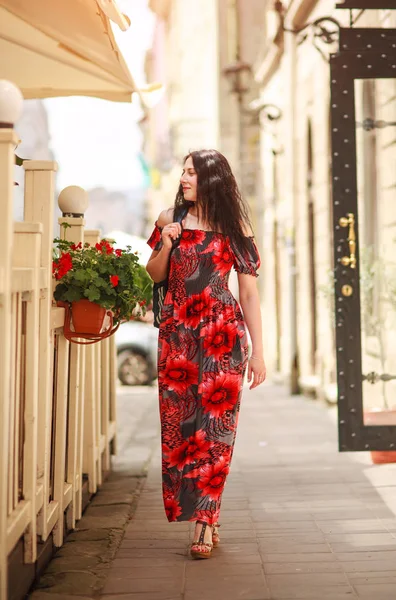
(165, 217)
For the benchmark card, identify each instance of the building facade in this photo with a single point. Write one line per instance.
(293, 71)
(260, 89)
(203, 52)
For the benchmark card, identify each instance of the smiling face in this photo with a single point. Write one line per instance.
(189, 180)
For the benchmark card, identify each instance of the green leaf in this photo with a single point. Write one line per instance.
(92, 293)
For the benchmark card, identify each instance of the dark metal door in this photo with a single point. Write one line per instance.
(365, 309)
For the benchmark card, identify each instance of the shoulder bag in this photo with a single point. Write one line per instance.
(160, 288)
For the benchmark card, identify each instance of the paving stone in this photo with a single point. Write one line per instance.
(322, 592)
(363, 539)
(367, 556)
(342, 514)
(152, 571)
(114, 516)
(120, 585)
(88, 535)
(73, 583)
(154, 543)
(163, 595)
(307, 557)
(273, 568)
(284, 547)
(161, 535)
(379, 591)
(95, 548)
(228, 586)
(269, 527)
(72, 563)
(293, 537)
(363, 578)
(389, 524)
(108, 498)
(43, 595)
(151, 552)
(364, 566)
(194, 569)
(346, 526)
(166, 560)
(351, 547)
(306, 580)
(282, 516)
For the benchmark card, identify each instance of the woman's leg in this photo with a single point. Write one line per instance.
(202, 544)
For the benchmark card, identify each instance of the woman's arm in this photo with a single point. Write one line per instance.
(158, 264)
(250, 304)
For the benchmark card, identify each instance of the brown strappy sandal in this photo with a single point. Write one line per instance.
(200, 548)
(215, 534)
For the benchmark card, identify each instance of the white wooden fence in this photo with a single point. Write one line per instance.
(57, 400)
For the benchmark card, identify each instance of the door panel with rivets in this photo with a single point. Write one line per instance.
(363, 108)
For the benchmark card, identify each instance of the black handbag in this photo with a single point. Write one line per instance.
(160, 288)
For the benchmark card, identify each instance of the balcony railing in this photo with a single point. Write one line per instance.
(57, 400)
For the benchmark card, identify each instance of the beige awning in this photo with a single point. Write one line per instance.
(63, 48)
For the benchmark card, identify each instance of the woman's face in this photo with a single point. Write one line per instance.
(189, 180)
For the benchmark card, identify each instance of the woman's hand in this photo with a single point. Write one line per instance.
(256, 367)
(170, 232)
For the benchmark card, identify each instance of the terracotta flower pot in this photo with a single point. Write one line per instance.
(381, 417)
(87, 316)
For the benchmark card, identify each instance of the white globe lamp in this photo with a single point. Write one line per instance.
(11, 104)
(73, 201)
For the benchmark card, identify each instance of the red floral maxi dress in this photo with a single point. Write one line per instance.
(202, 357)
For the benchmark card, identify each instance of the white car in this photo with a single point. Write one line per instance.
(136, 353)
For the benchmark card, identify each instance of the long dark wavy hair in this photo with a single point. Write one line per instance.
(219, 201)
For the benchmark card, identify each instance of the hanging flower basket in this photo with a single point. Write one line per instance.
(89, 325)
(99, 287)
(87, 316)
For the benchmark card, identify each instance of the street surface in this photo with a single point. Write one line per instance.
(299, 520)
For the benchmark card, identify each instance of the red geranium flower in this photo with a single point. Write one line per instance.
(190, 451)
(114, 279)
(178, 374)
(76, 246)
(172, 509)
(211, 477)
(219, 393)
(118, 252)
(192, 237)
(195, 309)
(63, 265)
(219, 337)
(104, 247)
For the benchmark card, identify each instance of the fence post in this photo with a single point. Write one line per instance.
(39, 208)
(73, 202)
(27, 249)
(10, 110)
(92, 456)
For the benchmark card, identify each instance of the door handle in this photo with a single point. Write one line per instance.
(349, 221)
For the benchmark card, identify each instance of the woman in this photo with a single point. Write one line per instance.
(203, 346)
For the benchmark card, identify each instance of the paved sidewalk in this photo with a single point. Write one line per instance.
(80, 567)
(299, 520)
